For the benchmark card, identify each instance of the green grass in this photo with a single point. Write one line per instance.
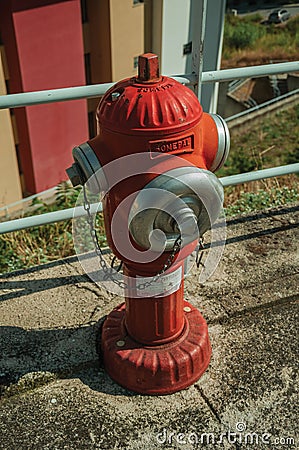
(242, 33)
(247, 40)
(39, 245)
(272, 142)
(262, 199)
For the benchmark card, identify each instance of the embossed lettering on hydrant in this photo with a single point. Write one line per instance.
(182, 145)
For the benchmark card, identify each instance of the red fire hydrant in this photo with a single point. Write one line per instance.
(153, 157)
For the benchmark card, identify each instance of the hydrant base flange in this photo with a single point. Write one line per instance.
(157, 369)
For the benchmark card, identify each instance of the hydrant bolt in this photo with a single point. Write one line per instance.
(148, 68)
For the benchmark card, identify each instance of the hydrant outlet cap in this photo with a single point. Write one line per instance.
(74, 174)
(148, 103)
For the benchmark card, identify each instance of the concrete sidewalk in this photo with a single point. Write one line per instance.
(55, 395)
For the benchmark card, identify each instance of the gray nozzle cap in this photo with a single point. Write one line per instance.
(223, 142)
(85, 168)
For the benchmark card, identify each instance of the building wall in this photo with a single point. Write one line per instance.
(127, 37)
(10, 186)
(170, 36)
(98, 44)
(113, 39)
(97, 49)
(43, 41)
(60, 43)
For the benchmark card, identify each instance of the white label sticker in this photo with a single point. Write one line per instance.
(164, 285)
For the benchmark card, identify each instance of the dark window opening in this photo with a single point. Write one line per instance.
(87, 68)
(91, 124)
(187, 48)
(19, 159)
(84, 11)
(7, 86)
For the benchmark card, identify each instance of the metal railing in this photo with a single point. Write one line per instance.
(261, 106)
(69, 213)
(50, 192)
(79, 92)
(24, 201)
(98, 90)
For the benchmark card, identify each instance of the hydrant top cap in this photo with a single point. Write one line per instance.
(149, 102)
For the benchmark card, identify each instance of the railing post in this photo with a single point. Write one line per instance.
(212, 51)
(197, 28)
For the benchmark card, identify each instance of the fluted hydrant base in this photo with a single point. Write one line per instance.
(157, 369)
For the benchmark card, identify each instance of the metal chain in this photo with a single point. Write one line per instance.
(199, 253)
(108, 271)
(167, 265)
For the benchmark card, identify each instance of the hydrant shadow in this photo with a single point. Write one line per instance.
(31, 358)
(35, 355)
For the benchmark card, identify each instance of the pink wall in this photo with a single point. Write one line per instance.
(49, 44)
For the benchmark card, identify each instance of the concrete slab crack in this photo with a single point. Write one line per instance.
(88, 288)
(208, 403)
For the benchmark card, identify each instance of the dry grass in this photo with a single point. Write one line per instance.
(272, 142)
(270, 186)
(275, 43)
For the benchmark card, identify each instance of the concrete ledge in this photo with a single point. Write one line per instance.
(55, 395)
(254, 116)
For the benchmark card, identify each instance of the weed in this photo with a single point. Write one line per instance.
(239, 33)
(262, 199)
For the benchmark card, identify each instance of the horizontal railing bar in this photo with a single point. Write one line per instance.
(25, 200)
(47, 218)
(256, 175)
(97, 90)
(53, 95)
(65, 214)
(65, 94)
(251, 71)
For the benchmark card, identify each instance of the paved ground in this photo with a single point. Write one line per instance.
(55, 395)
